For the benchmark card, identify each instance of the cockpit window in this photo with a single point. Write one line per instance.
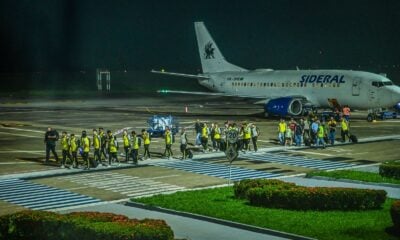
(377, 84)
(388, 83)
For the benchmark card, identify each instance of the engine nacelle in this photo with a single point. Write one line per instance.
(284, 106)
(397, 107)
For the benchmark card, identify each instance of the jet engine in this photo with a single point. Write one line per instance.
(284, 106)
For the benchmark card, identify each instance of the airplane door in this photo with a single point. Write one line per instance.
(356, 87)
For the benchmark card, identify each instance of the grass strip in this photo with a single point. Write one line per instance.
(356, 175)
(220, 203)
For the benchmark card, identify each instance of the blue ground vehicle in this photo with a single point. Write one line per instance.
(387, 114)
(158, 124)
(381, 115)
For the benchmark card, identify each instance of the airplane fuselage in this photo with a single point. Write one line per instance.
(361, 90)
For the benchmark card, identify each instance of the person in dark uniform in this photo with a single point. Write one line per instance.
(103, 144)
(50, 139)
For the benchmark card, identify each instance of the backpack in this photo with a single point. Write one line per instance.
(139, 141)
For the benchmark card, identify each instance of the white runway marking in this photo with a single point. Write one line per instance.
(14, 163)
(40, 197)
(315, 153)
(266, 141)
(22, 151)
(19, 135)
(26, 130)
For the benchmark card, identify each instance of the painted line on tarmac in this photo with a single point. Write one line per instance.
(22, 151)
(266, 141)
(19, 135)
(21, 129)
(166, 176)
(322, 154)
(14, 163)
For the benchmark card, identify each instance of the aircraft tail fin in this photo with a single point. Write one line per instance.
(211, 58)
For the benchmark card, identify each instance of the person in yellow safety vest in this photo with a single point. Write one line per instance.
(65, 149)
(112, 148)
(281, 131)
(146, 144)
(344, 129)
(332, 130)
(246, 136)
(168, 143)
(73, 148)
(320, 135)
(85, 144)
(96, 145)
(204, 136)
(217, 137)
(135, 144)
(127, 144)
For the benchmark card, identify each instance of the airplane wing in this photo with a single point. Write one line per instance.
(211, 94)
(199, 76)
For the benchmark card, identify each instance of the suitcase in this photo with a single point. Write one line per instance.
(353, 138)
(222, 145)
(307, 142)
(189, 153)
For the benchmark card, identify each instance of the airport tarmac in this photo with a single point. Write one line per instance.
(23, 124)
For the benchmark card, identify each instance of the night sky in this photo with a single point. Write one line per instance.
(76, 35)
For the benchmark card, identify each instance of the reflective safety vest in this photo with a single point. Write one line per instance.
(96, 141)
(146, 138)
(282, 127)
(135, 142)
(64, 143)
(126, 140)
(168, 138)
(204, 132)
(217, 133)
(85, 144)
(247, 133)
(73, 144)
(321, 132)
(344, 125)
(112, 145)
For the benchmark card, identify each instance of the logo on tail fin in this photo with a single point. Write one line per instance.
(209, 50)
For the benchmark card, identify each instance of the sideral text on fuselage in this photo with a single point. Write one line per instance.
(322, 79)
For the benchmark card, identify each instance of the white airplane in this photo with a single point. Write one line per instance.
(288, 92)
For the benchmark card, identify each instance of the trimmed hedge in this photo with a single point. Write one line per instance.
(278, 194)
(241, 188)
(395, 214)
(390, 169)
(83, 226)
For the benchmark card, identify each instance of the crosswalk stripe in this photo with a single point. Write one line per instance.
(130, 186)
(40, 197)
(296, 161)
(215, 170)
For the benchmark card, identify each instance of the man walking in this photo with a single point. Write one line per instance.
(255, 132)
(168, 143)
(64, 148)
(96, 145)
(50, 139)
(135, 147)
(332, 130)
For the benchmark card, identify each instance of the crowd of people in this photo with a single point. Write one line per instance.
(312, 131)
(309, 131)
(105, 146)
